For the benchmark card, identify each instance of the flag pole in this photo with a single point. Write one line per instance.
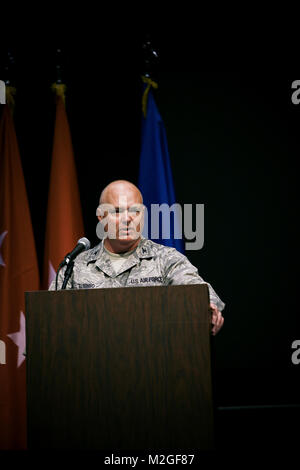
(150, 58)
(149, 68)
(64, 224)
(155, 179)
(59, 87)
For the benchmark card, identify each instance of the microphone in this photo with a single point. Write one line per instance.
(83, 244)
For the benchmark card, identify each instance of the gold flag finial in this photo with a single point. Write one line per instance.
(60, 90)
(10, 92)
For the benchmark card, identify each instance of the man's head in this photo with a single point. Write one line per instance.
(120, 211)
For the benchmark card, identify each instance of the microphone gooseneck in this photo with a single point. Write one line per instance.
(83, 244)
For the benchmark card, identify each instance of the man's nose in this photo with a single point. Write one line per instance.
(127, 216)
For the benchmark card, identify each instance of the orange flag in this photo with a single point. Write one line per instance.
(18, 273)
(64, 216)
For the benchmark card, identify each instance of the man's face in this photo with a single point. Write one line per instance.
(122, 214)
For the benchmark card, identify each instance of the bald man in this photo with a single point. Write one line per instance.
(124, 258)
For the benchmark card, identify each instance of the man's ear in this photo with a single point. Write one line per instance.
(100, 214)
(100, 229)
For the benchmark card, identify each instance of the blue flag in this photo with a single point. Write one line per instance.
(156, 182)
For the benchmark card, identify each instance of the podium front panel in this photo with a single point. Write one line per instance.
(119, 369)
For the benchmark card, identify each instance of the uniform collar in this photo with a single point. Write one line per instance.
(101, 259)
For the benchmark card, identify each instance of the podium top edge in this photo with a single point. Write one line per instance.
(179, 286)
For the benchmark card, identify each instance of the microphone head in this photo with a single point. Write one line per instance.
(84, 241)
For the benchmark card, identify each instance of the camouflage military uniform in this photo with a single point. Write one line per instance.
(150, 264)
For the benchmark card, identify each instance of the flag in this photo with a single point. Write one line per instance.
(155, 177)
(64, 224)
(18, 273)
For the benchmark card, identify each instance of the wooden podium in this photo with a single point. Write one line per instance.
(119, 369)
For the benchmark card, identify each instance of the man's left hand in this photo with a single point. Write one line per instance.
(217, 319)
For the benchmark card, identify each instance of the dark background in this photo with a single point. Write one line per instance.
(233, 135)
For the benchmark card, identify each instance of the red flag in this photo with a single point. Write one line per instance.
(64, 215)
(18, 273)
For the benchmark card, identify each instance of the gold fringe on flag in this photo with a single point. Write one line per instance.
(60, 90)
(150, 83)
